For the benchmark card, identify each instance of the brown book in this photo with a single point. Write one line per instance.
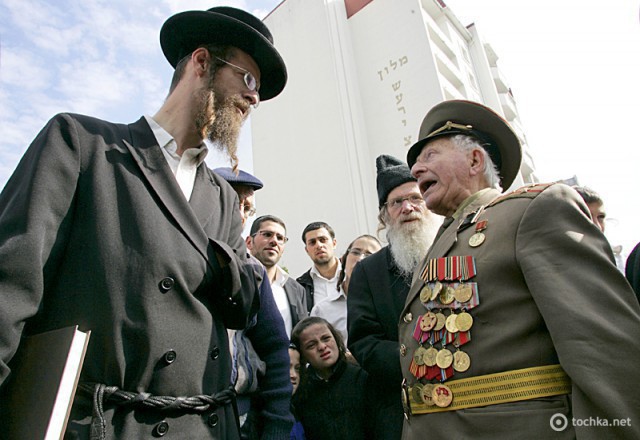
(36, 399)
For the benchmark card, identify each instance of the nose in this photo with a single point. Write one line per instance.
(406, 207)
(417, 169)
(252, 97)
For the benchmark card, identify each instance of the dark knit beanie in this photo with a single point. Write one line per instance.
(391, 173)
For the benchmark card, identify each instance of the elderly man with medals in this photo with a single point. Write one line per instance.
(517, 324)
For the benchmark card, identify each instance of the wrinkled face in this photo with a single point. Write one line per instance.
(444, 175)
(320, 246)
(598, 214)
(360, 249)
(294, 368)
(319, 348)
(267, 245)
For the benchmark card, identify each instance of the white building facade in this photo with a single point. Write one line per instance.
(362, 75)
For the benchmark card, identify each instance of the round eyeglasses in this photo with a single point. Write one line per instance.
(249, 80)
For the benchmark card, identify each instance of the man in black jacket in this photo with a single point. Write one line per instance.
(379, 287)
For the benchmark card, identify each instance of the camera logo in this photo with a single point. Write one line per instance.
(558, 422)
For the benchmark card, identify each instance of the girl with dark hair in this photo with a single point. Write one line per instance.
(330, 400)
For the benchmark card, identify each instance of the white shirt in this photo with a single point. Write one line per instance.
(334, 310)
(282, 301)
(184, 167)
(324, 288)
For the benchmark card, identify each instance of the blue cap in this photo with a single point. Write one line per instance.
(243, 178)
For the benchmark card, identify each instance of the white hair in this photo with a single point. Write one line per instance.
(467, 143)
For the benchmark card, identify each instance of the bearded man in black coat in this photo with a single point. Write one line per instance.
(379, 286)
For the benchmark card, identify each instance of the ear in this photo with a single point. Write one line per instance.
(477, 162)
(249, 242)
(201, 59)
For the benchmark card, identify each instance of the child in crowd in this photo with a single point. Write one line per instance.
(330, 400)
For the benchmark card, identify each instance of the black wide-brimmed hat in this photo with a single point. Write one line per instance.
(184, 32)
(471, 118)
(391, 173)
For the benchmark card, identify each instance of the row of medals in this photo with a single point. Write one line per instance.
(439, 394)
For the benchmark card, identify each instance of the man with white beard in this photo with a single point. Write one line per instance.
(379, 287)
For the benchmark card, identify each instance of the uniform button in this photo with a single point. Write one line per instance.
(408, 317)
(170, 356)
(167, 284)
(403, 350)
(212, 421)
(215, 353)
(161, 429)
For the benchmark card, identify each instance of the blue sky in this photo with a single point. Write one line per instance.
(95, 57)
(574, 67)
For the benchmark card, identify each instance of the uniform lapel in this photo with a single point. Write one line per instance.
(155, 169)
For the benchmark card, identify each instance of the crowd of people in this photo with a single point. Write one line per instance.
(123, 230)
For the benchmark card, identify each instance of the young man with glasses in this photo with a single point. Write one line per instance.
(266, 243)
(123, 230)
(379, 287)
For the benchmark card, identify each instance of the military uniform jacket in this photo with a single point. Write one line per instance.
(549, 293)
(95, 232)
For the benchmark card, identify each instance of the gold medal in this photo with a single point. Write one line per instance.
(464, 321)
(442, 395)
(463, 293)
(444, 359)
(446, 295)
(476, 239)
(440, 321)
(425, 294)
(416, 392)
(461, 361)
(428, 321)
(451, 323)
(418, 355)
(430, 356)
(427, 394)
(437, 288)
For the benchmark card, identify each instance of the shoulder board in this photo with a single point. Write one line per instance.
(527, 191)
